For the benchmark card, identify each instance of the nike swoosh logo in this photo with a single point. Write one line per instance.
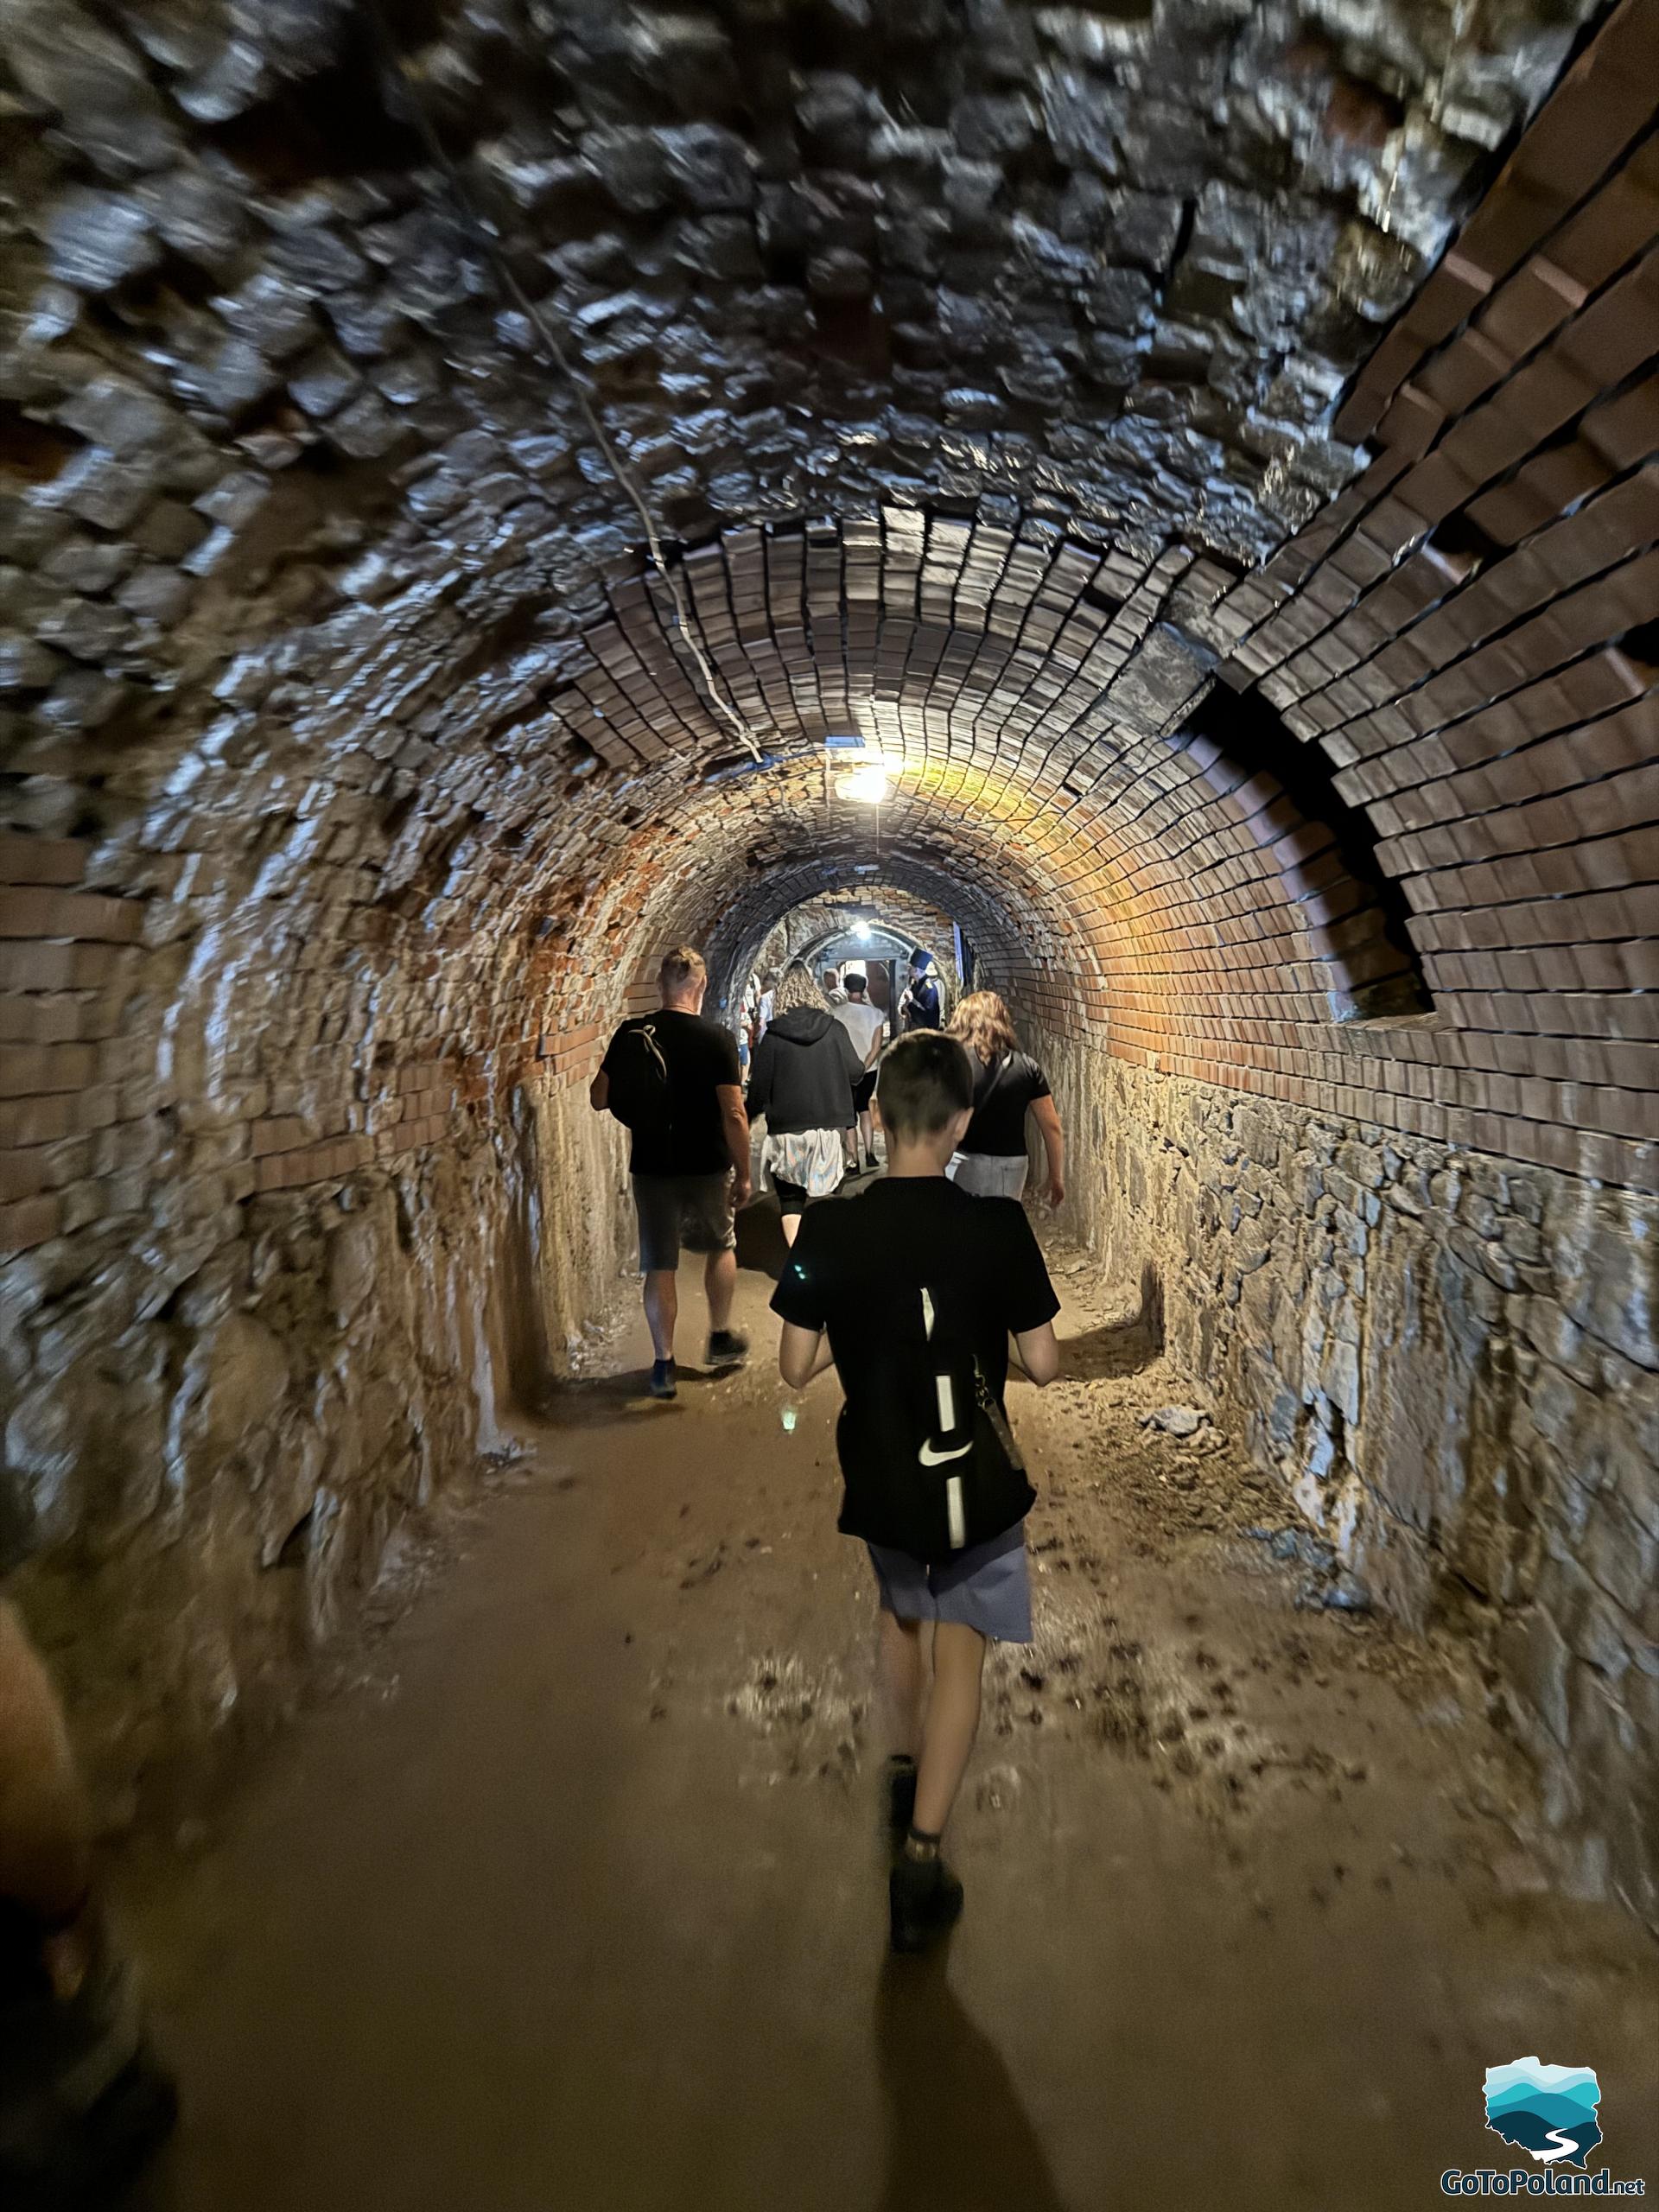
(930, 1458)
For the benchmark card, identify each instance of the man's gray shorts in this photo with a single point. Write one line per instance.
(988, 1174)
(695, 1211)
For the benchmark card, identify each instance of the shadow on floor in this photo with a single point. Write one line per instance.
(760, 1246)
(1120, 1348)
(594, 1401)
(958, 2138)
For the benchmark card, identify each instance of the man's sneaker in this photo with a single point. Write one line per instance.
(664, 1382)
(924, 1899)
(872, 1164)
(726, 1348)
(898, 1788)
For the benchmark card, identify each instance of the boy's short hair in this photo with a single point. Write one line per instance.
(925, 1078)
(855, 980)
(682, 969)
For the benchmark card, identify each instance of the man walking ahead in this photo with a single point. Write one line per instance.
(672, 1079)
(866, 1025)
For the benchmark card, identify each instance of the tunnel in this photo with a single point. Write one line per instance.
(1153, 502)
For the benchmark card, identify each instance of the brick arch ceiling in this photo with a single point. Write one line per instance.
(1029, 700)
(343, 730)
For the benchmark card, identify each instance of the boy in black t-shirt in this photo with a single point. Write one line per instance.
(869, 1283)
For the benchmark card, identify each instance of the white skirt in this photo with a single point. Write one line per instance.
(814, 1160)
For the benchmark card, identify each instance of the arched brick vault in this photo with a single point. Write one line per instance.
(1016, 385)
(1042, 772)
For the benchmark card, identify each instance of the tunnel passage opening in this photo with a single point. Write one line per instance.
(1358, 915)
(874, 934)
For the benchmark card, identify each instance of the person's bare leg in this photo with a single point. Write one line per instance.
(867, 1134)
(719, 1287)
(791, 1227)
(951, 1724)
(662, 1309)
(46, 1851)
(84, 2104)
(904, 1683)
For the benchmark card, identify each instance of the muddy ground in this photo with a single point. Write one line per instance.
(571, 1895)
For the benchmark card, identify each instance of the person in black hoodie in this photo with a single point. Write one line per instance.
(805, 1072)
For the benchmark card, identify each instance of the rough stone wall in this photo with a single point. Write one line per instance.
(217, 1462)
(1453, 1362)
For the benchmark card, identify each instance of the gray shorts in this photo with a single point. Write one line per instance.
(988, 1174)
(695, 1211)
(988, 1588)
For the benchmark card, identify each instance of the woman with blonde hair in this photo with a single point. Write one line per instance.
(993, 1158)
(805, 1073)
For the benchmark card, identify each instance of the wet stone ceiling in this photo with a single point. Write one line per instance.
(974, 357)
(1109, 267)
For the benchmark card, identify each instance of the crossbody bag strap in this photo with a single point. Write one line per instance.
(1001, 1069)
(995, 1415)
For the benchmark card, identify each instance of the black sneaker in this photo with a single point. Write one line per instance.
(872, 1164)
(726, 1348)
(924, 1899)
(664, 1382)
(899, 1786)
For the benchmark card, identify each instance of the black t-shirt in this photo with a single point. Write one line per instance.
(858, 1269)
(701, 1056)
(1002, 1092)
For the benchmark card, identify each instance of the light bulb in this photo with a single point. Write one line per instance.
(868, 786)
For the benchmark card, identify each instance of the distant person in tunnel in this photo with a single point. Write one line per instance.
(912, 1292)
(866, 1025)
(803, 1082)
(992, 1160)
(832, 987)
(673, 1080)
(919, 1008)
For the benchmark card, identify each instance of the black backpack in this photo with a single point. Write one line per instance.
(640, 1095)
(958, 1478)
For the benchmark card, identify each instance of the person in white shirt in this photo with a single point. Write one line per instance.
(763, 1010)
(832, 990)
(866, 1025)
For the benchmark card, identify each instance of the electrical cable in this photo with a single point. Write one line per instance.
(489, 243)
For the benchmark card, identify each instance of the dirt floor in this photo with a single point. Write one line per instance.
(575, 1898)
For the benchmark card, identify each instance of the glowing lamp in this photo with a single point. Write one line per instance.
(868, 786)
